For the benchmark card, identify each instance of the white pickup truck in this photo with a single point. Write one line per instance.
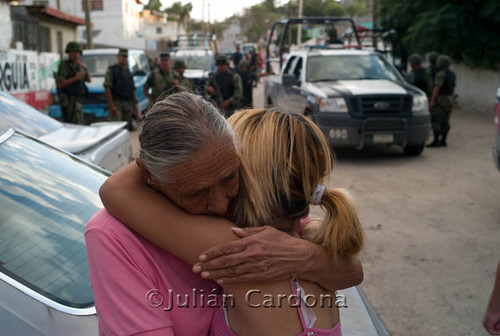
(356, 97)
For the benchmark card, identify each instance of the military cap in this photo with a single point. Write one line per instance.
(244, 63)
(73, 46)
(123, 52)
(221, 60)
(443, 61)
(433, 57)
(415, 59)
(179, 64)
(164, 57)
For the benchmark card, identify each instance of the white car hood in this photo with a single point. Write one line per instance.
(78, 138)
(362, 87)
(379, 86)
(195, 73)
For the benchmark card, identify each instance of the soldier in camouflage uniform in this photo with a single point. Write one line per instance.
(441, 102)
(70, 80)
(120, 90)
(179, 68)
(432, 69)
(224, 87)
(421, 77)
(161, 80)
(248, 79)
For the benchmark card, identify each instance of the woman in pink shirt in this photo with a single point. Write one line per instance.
(191, 186)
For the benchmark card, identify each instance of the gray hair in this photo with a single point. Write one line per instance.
(177, 127)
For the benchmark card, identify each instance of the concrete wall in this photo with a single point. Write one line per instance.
(476, 88)
(68, 34)
(6, 26)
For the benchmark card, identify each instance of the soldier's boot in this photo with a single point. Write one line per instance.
(436, 142)
(443, 140)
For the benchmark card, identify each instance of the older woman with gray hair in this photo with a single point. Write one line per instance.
(186, 177)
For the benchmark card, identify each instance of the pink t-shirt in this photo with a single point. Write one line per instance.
(131, 276)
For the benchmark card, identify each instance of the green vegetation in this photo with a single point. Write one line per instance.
(464, 30)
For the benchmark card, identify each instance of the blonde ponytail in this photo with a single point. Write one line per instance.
(340, 232)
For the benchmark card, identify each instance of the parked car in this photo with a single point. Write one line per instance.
(46, 198)
(98, 61)
(106, 144)
(199, 64)
(356, 97)
(496, 146)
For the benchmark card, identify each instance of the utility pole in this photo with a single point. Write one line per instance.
(88, 24)
(203, 27)
(375, 25)
(299, 27)
(59, 4)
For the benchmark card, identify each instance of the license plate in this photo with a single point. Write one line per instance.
(383, 138)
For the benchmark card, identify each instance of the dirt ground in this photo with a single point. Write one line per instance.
(433, 229)
(432, 224)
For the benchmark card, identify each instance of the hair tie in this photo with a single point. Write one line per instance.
(318, 194)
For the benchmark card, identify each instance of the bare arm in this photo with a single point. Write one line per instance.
(109, 100)
(67, 82)
(152, 215)
(491, 321)
(435, 93)
(266, 253)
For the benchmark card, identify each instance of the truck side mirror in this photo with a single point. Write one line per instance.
(289, 80)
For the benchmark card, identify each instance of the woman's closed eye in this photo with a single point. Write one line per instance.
(230, 178)
(199, 193)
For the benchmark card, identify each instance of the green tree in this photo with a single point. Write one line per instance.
(357, 8)
(464, 30)
(153, 5)
(256, 21)
(181, 13)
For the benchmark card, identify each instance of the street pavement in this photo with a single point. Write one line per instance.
(432, 224)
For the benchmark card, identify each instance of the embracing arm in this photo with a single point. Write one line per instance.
(266, 253)
(128, 198)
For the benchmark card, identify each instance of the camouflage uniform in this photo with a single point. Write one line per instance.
(227, 86)
(443, 103)
(124, 106)
(183, 81)
(442, 107)
(71, 102)
(248, 79)
(160, 82)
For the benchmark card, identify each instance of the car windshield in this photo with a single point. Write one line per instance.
(25, 118)
(349, 67)
(46, 199)
(206, 63)
(98, 64)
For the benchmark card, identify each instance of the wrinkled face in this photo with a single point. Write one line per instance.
(207, 182)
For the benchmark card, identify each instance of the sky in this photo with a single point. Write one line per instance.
(219, 9)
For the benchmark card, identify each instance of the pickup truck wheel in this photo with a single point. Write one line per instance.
(414, 150)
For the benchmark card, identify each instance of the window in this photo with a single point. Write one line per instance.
(95, 5)
(158, 30)
(44, 39)
(46, 200)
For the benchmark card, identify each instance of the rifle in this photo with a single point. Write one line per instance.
(54, 74)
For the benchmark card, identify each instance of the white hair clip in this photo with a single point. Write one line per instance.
(318, 194)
